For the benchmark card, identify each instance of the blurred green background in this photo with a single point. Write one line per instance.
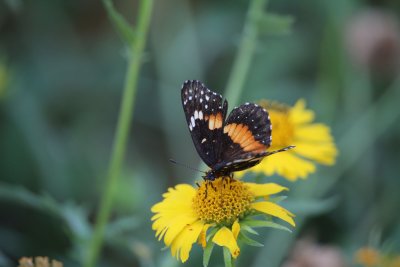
(62, 69)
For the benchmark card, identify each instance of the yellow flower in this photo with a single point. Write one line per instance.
(367, 256)
(38, 262)
(219, 212)
(294, 126)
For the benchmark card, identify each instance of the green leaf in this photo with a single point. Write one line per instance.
(258, 223)
(244, 227)
(275, 24)
(227, 257)
(62, 221)
(249, 241)
(122, 26)
(212, 233)
(207, 253)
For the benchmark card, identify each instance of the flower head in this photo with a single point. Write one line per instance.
(367, 256)
(294, 126)
(215, 213)
(38, 262)
(370, 257)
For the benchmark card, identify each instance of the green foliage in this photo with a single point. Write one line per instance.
(249, 241)
(207, 253)
(275, 24)
(227, 257)
(122, 27)
(61, 108)
(258, 223)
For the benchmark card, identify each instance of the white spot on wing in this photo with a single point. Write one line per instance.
(207, 97)
(192, 121)
(200, 115)
(202, 141)
(190, 97)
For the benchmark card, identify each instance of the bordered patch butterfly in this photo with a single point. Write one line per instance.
(230, 144)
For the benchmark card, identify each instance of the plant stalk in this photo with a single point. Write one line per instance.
(245, 52)
(119, 145)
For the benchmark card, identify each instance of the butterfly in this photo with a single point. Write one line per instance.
(230, 144)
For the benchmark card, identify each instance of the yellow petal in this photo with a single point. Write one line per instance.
(286, 164)
(174, 212)
(182, 244)
(224, 237)
(316, 132)
(176, 226)
(273, 209)
(169, 228)
(324, 153)
(203, 235)
(260, 190)
(175, 199)
(235, 229)
(299, 114)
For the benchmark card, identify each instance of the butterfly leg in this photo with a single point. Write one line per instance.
(213, 187)
(224, 178)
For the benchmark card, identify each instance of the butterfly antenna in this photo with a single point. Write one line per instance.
(280, 150)
(184, 165)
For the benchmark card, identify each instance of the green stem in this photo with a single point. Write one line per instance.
(245, 53)
(120, 139)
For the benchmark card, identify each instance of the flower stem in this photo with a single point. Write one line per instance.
(125, 115)
(245, 52)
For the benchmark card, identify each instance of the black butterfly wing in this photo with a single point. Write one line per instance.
(246, 137)
(205, 115)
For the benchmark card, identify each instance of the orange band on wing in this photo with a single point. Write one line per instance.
(240, 134)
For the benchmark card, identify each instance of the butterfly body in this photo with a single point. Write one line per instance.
(225, 144)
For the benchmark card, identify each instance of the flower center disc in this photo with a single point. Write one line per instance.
(222, 200)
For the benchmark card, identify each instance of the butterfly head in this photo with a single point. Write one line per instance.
(210, 175)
